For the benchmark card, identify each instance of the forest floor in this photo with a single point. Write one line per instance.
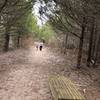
(24, 74)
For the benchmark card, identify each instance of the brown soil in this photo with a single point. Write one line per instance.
(24, 74)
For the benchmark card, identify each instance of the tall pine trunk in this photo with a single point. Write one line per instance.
(97, 50)
(90, 43)
(81, 43)
(94, 41)
(65, 43)
(7, 38)
(18, 41)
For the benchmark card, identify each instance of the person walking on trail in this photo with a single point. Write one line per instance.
(41, 46)
(36, 45)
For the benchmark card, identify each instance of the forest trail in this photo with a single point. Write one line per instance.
(24, 74)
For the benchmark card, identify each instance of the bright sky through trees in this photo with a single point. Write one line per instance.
(40, 19)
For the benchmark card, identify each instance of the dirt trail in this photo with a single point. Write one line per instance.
(24, 74)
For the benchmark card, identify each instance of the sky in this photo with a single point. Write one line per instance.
(42, 20)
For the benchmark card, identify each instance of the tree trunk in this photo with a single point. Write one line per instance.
(7, 38)
(90, 44)
(81, 43)
(18, 41)
(97, 50)
(94, 42)
(65, 43)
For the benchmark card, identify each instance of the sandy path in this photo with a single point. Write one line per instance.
(24, 75)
